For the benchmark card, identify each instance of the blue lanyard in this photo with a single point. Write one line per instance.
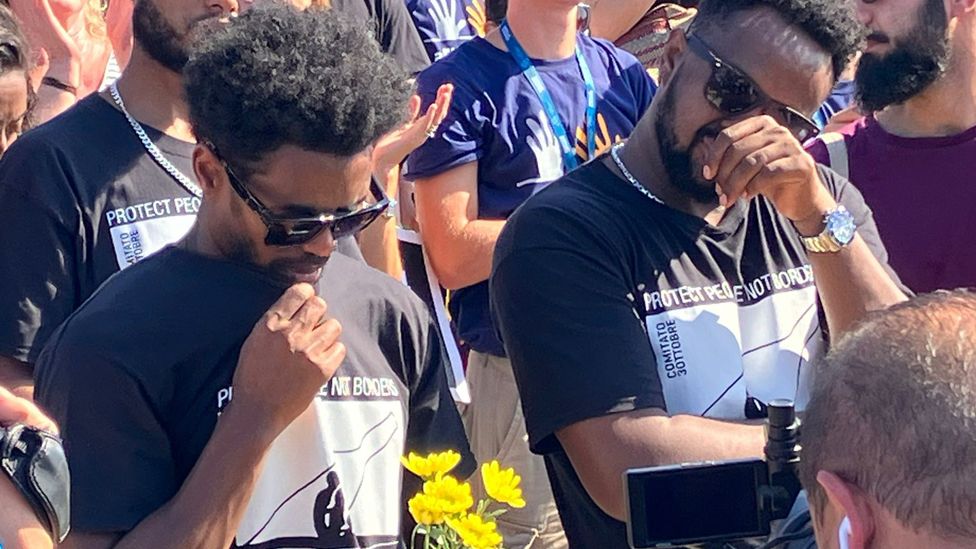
(556, 122)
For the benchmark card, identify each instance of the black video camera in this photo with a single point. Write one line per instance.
(699, 503)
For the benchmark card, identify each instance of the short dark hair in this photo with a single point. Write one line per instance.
(277, 75)
(830, 23)
(893, 411)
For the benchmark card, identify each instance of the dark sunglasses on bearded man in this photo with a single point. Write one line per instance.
(295, 231)
(732, 92)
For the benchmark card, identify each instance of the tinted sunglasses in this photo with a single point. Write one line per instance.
(732, 92)
(294, 231)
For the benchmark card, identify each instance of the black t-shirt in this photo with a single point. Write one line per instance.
(80, 199)
(609, 302)
(139, 374)
(394, 30)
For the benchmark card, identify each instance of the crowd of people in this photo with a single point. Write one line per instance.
(255, 251)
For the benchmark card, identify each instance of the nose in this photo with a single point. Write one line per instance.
(865, 11)
(223, 7)
(322, 245)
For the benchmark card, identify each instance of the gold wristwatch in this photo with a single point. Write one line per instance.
(838, 233)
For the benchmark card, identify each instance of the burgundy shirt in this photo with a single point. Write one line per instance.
(923, 194)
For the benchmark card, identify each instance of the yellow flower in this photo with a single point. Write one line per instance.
(426, 510)
(475, 532)
(453, 497)
(502, 485)
(434, 465)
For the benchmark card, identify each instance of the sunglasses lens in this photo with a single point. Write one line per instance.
(731, 92)
(293, 234)
(353, 223)
(801, 127)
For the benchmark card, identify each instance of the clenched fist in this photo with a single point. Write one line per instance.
(292, 351)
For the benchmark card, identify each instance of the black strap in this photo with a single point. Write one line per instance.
(35, 462)
(55, 83)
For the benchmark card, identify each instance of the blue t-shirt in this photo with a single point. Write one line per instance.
(496, 118)
(446, 24)
(840, 98)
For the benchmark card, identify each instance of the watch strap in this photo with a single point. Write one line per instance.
(57, 84)
(827, 241)
(822, 243)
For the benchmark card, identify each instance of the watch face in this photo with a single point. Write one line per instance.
(840, 225)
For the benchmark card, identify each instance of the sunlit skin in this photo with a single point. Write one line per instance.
(886, 26)
(799, 76)
(13, 107)
(291, 182)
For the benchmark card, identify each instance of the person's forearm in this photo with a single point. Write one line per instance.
(17, 377)
(648, 438)
(19, 526)
(610, 19)
(52, 101)
(466, 258)
(378, 242)
(207, 510)
(850, 282)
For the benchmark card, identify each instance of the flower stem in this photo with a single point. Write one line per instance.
(413, 537)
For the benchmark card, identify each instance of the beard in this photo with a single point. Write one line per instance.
(285, 271)
(679, 163)
(917, 60)
(158, 38)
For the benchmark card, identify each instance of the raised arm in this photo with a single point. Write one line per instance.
(459, 244)
(758, 156)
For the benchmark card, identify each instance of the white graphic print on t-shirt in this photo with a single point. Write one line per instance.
(717, 345)
(147, 227)
(545, 148)
(332, 478)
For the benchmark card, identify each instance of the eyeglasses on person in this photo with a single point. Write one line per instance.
(295, 231)
(732, 92)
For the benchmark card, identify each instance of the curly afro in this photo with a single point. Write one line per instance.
(277, 75)
(830, 23)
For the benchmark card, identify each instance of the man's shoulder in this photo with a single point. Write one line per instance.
(851, 133)
(571, 210)
(40, 162)
(360, 287)
(68, 128)
(470, 65)
(172, 295)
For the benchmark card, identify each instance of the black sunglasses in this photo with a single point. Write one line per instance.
(731, 91)
(294, 231)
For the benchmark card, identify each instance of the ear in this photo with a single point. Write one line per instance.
(674, 48)
(208, 169)
(958, 8)
(853, 503)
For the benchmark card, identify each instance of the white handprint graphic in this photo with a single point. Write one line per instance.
(449, 28)
(545, 147)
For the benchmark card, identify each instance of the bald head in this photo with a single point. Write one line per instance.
(893, 412)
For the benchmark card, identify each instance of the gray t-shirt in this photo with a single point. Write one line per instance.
(80, 200)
